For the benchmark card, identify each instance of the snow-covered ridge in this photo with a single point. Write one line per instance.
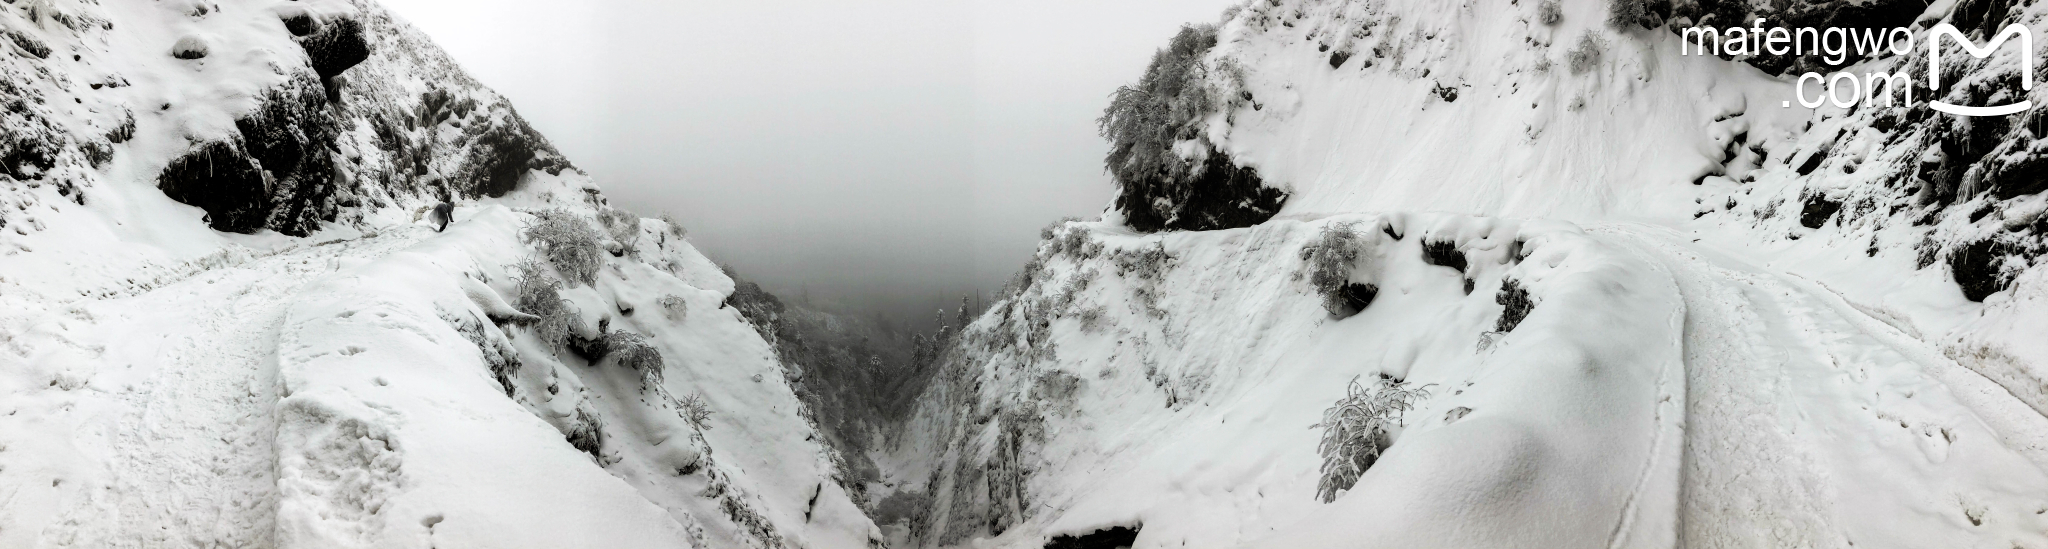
(228, 318)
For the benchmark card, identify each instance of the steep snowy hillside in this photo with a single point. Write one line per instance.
(1591, 292)
(229, 319)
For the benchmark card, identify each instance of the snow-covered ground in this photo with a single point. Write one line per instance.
(1661, 391)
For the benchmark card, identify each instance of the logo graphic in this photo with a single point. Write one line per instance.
(1934, 66)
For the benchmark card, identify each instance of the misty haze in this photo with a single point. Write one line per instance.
(880, 157)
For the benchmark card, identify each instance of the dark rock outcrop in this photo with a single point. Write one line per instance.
(222, 179)
(1106, 538)
(1817, 209)
(333, 45)
(1976, 267)
(1222, 195)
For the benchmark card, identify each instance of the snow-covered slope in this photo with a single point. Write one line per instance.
(1753, 325)
(229, 320)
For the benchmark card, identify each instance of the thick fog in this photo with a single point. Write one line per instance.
(886, 156)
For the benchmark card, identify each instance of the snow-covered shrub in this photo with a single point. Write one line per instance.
(585, 431)
(623, 227)
(569, 244)
(1143, 263)
(1623, 14)
(1070, 240)
(1159, 187)
(497, 352)
(539, 294)
(695, 411)
(1357, 429)
(1092, 319)
(189, 47)
(1516, 298)
(1142, 267)
(1330, 259)
(1586, 55)
(1549, 13)
(1145, 120)
(674, 307)
(1071, 289)
(675, 226)
(632, 351)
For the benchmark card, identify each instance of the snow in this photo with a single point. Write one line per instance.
(1656, 393)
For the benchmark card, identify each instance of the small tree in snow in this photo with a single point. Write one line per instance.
(1355, 430)
(539, 294)
(1330, 258)
(695, 411)
(632, 351)
(623, 227)
(675, 226)
(568, 242)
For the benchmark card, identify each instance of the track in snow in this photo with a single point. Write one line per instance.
(176, 423)
(1807, 427)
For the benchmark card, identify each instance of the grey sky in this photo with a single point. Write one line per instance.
(888, 155)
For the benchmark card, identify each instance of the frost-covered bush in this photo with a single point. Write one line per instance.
(569, 244)
(1586, 55)
(1330, 258)
(1071, 290)
(623, 227)
(585, 431)
(674, 307)
(1625, 15)
(1516, 299)
(539, 294)
(1057, 389)
(632, 351)
(1144, 120)
(1549, 13)
(1070, 240)
(1093, 319)
(695, 411)
(675, 227)
(1146, 124)
(1357, 429)
(1143, 263)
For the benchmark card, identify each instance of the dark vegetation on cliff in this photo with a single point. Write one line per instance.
(1159, 188)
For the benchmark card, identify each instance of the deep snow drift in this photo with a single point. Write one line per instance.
(1752, 325)
(229, 321)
